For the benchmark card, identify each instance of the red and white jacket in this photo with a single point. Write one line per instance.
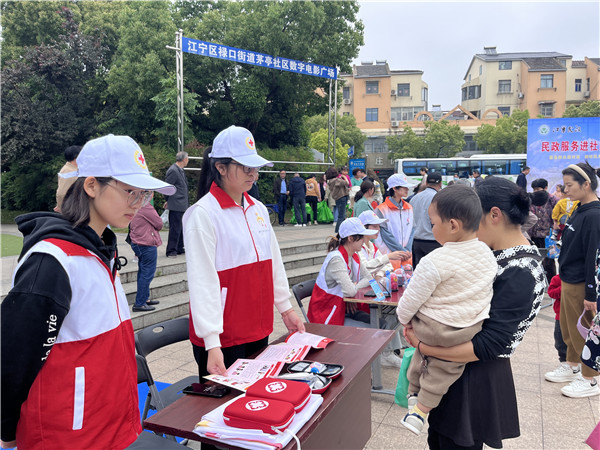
(235, 270)
(327, 304)
(85, 396)
(400, 223)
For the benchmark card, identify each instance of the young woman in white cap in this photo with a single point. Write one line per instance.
(397, 234)
(341, 276)
(235, 270)
(67, 340)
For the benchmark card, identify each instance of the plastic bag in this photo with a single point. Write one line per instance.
(553, 247)
(308, 213)
(402, 385)
(165, 217)
(324, 214)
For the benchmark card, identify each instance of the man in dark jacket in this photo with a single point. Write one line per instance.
(522, 178)
(177, 204)
(298, 193)
(281, 191)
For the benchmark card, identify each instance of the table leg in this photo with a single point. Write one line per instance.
(376, 383)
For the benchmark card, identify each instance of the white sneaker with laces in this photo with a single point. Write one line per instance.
(390, 359)
(413, 422)
(580, 388)
(563, 373)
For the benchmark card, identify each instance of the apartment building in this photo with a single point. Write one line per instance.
(381, 100)
(544, 83)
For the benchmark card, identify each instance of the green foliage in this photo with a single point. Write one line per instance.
(590, 108)
(319, 141)
(11, 245)
(346, 130)
(439, 140)
(508, 136)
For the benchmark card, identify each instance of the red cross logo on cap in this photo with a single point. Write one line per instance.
(250, 142)
(139, 159)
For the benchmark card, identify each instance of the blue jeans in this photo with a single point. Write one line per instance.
(281, 207)
(340, 204)
(146, 268)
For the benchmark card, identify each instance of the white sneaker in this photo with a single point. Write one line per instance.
(413, 422)
(303, 224)
(134, 259)
(563, 374)
(581, 388)
(297, 225)
(411, 400)
(334, 224)
(390, 359)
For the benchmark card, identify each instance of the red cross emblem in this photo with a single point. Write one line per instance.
(141, 158)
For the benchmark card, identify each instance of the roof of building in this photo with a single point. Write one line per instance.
(407, 72)
(595, 61)
(543, 64)
(372, 71)
(578, 64)
(520, 56)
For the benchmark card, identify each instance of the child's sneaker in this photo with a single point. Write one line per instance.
(581, 388)
(563, 374)
(412, 400)
(414, 420)
(390, 359)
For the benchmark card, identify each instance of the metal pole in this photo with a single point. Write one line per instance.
(337, 70)
(329, 145)
(180, 111)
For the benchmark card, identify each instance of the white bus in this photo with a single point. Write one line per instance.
(505, 166)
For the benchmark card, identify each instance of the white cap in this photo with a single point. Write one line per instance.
(238, 144)
(118, 157)
(352, 226)
(370, 218)
(398, 180)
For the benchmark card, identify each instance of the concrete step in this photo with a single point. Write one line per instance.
(161, 286)
(304, 259)
(304, 246)
(302, 274)
(170, 307)
(165, 266)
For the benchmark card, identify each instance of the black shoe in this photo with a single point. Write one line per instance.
(152, 302)
(182, 252)
(143, 308)
(174, 255)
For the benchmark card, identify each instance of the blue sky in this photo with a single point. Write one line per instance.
(441, 37)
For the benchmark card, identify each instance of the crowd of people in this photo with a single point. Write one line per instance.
(477, 285)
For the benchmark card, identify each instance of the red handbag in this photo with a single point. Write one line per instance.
(294, 392)
(256, 413)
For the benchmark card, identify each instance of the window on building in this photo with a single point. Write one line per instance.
(345, 113)
(403, 89)
(563, 62)
(547, 109)
(546, 81)
(405, 114)
(504, 65)
(587, 84)
(424, 96)
(379, 161)
(480, 69)
(368, 147)
(372, 87)
(505, 110)
(577, 84)
(474, 92)
(464, 93)
(504, 87)
(346, 93)
(469, 77)
(372, 114)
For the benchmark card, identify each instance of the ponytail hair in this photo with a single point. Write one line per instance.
(592, 174)
(507, 196)
(365, 186)
(209, 173)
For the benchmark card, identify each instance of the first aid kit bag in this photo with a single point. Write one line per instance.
(269, 416)
(294, 392)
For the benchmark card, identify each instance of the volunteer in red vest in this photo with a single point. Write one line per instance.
(341, 276)
(234, 266)
(69, 374)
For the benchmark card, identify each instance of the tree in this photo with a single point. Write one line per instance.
(508, 136)
(590, 108)
(439, 140)
(346, 130)
(319, 141)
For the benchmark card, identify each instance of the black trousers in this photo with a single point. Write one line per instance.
(422, 247)
(312, 200)
(438, 441)
(175, 242)
(230, 354)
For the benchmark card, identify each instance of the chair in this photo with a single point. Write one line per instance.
(301, 291)
(145, 440)
(150, 339)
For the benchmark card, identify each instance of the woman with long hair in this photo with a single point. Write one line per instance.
(472, 413)
(235, 270)
(364, 198)
(69, 373)
(580, 241)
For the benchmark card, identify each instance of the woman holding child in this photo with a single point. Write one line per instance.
(481, 406)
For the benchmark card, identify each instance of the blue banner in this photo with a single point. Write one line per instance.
(553, 144)
(258, 59)
(359, 163)
(351, 151)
